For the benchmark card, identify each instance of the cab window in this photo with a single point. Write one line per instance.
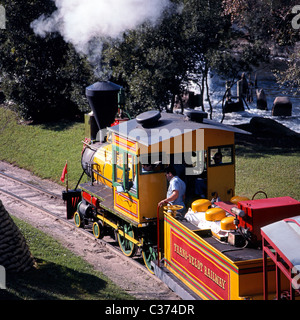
(221, 155)
(125, 169)
(119, 167)
(153, 163)
(131, 175)
(195, 162)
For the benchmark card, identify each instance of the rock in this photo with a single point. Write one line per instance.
(261, 100)
(14, 252)
(282, 106)
(268, 132)
(265, 127)
(231, 106)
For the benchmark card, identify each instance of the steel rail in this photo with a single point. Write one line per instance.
(66, 222)
(52, 194)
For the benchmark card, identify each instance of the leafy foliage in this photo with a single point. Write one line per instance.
(47, 78)
(270, 23)
(156, 63)
(289, 78)
(265, 20)
(39, 74)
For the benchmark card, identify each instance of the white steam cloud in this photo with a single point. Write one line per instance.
(81, 21)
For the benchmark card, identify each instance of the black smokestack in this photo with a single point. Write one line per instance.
(103, 100)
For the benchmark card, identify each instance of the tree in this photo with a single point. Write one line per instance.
(289, 78)
(41, 75)
(271, 22)
(156, 63)
(268, 20)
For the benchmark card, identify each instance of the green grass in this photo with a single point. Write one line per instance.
(59, 275)
(275, 171)
(44, 149)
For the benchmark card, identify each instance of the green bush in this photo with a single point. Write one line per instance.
(45, 77)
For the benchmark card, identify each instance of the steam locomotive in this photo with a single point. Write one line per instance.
(215, 251)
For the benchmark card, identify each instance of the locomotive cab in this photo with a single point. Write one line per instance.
(140, 153)
(132, 161)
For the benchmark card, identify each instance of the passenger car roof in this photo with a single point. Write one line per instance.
(285, 236)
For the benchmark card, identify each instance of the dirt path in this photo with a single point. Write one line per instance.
(116, 267)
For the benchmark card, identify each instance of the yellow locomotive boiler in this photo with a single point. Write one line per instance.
(125, 162)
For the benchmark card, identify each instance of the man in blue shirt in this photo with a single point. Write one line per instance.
(176, 190)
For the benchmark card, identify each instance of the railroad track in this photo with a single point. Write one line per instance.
(106, 256)
(51, 204)
(32, 195)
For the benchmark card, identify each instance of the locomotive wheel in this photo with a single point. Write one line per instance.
(98, 231)
(78, 220)
(149, 254)
(127, 247)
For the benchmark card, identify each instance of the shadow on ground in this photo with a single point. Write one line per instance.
(51, 281)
